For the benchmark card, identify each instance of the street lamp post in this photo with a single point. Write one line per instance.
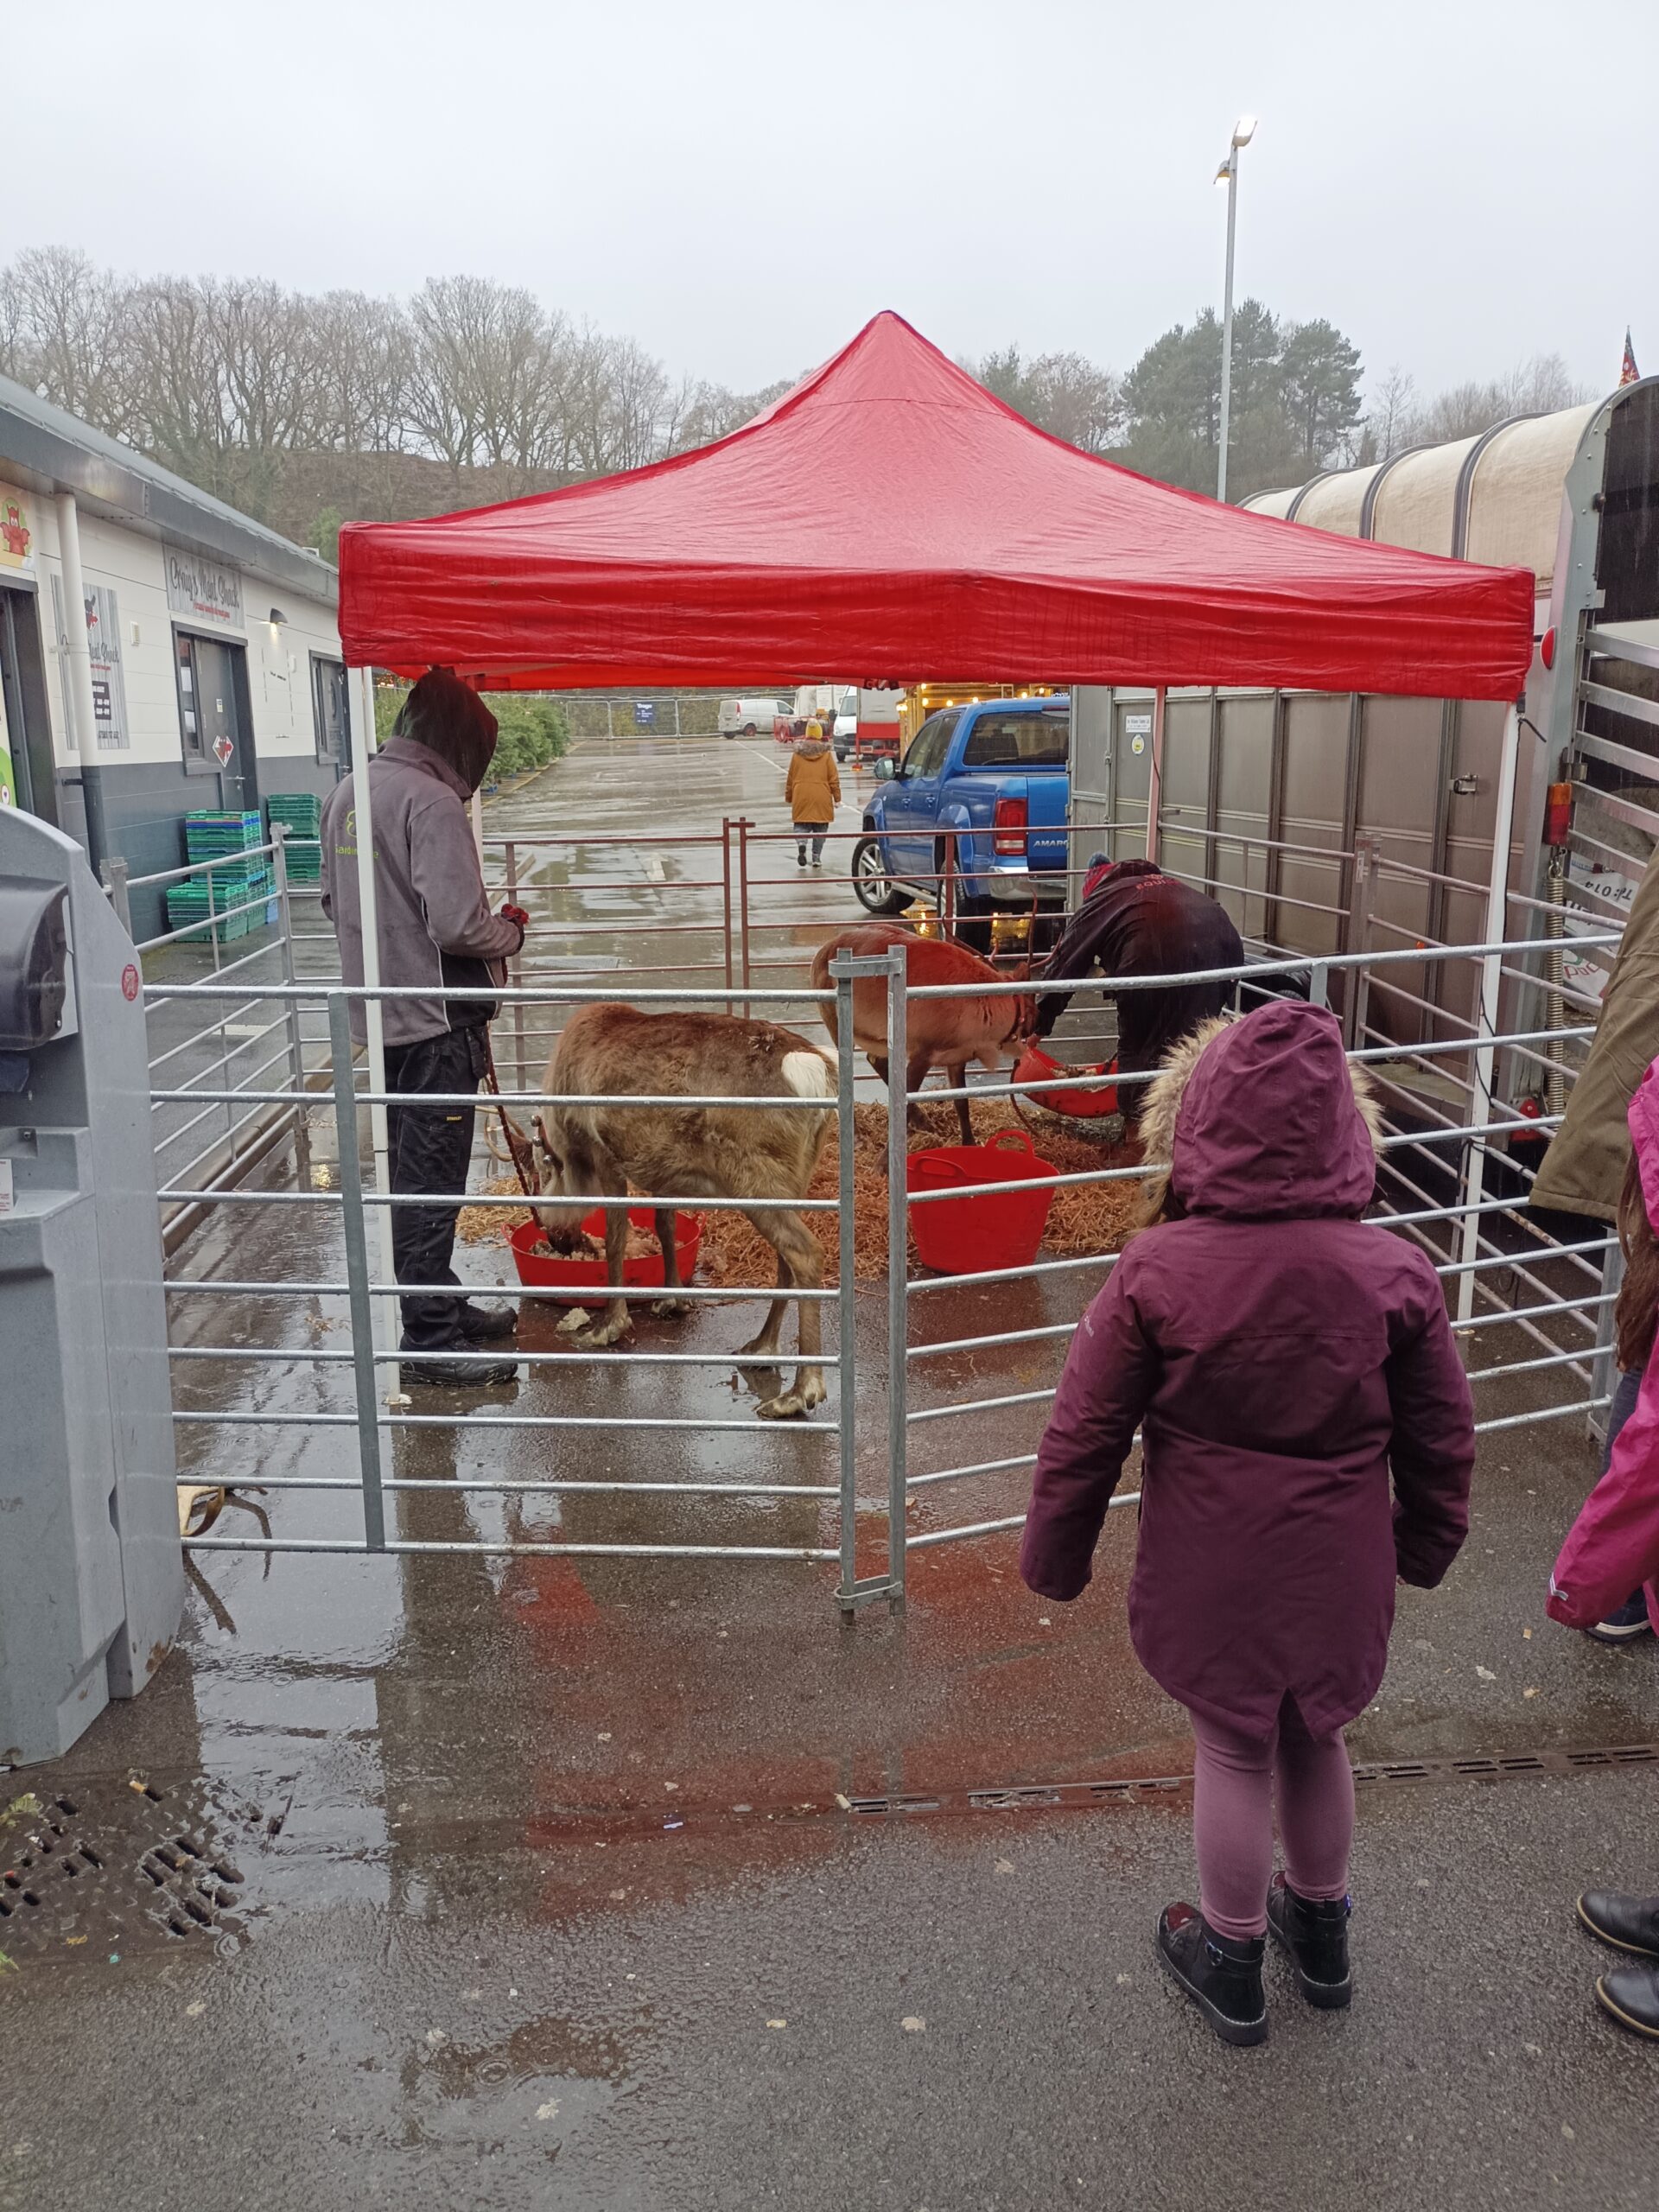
(1243, 131)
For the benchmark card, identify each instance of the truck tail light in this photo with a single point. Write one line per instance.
(1558, 814)
(1009, 826)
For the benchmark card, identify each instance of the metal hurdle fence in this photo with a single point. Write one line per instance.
(872, 1466)
(1422, 1016)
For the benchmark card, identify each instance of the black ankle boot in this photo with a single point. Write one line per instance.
(1315, 1934)
(1222, 1977)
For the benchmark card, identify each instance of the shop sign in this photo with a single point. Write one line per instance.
(103, 619)
(202, 590)
(17, 532)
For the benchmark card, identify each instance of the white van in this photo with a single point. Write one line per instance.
(749, 717)
(867, 722)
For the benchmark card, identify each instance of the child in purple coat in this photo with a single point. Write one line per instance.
(1614, 1543)
(1307, 1437)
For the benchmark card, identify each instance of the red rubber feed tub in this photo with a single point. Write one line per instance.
(585, 1280)
(1001, 1228)
(1039, 1066)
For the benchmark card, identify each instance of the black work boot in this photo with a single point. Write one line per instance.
(1315, 1935)
(1628, 1924)
(1631, 1995)
(485, 1324)
(1222, 1977)
(458, 1374)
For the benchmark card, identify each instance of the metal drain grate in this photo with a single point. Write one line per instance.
(1077, 1795)
(121, 1867)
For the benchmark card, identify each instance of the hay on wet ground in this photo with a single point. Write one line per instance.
(1083, 1218)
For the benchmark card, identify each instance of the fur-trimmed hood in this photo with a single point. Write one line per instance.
(1261, 1119)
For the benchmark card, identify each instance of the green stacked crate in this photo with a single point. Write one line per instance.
(238, 908)
(236, 883)
(301, 815)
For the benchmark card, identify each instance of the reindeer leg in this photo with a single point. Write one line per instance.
(882, 1077)
(616, 1323)
(668, 1305)
(958, 1079)
(765, 1340)
(915, 1077)
(799, 1260)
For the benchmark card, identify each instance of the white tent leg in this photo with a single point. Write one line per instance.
(1496, 930)
(1155, 779)
(360, 698)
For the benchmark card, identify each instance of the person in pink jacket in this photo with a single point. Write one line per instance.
(1307, 1439)
(1613, 1545)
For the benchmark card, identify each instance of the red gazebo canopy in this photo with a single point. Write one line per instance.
(889, 518)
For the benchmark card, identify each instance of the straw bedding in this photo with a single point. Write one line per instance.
(1085, 1219)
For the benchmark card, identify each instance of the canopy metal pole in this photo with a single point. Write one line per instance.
(1490, 976)
(1155, 779)
(361, 701)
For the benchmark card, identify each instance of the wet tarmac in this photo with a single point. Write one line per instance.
(531, 1849)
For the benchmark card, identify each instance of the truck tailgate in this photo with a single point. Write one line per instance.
(1046, 799)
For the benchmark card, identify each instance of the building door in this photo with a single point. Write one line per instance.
(217, 725)
(26, 766)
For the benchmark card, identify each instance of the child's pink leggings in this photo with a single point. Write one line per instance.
(1235, 1781)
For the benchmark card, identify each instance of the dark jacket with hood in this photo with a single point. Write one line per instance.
(1306, 1427)
(436, 930)
(1134, 920)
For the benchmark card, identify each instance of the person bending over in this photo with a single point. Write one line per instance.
(1135, 920)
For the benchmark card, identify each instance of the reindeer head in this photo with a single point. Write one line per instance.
(552, 1170)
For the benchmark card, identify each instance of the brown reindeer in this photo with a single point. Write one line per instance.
(938, 1032)
(693, 1152)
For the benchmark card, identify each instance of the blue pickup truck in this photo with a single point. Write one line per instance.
(996, 774)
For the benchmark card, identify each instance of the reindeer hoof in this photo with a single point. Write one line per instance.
(670, 1309)
(596, 1339)
(796, 1404)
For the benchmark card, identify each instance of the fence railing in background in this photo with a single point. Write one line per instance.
(1555, 1295)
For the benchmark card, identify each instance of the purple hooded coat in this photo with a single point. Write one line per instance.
(1614, 1543)
(1285, 1359)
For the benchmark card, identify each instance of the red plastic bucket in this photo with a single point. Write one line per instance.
(1000, 1228)
(586, 1280)
(1039, 1066)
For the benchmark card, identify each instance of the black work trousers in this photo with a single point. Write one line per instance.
(431, 1147)
(1149, 1022)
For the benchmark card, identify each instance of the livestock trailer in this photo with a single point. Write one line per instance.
(1264, 793)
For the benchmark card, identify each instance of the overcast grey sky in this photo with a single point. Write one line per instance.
(1456, 183)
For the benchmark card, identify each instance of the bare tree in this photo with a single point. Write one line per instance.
(362, 367)
(704, 412)
(67, 315)
(1537, 386)
(1392, 413)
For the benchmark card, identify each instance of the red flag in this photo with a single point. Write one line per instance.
(1628, 373)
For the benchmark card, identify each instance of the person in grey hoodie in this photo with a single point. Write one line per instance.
(436, 934)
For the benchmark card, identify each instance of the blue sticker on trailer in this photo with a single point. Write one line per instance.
(644, 714)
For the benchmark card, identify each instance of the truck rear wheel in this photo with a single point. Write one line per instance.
(872, 886)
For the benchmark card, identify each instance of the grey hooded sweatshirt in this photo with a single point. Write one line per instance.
(436, 929)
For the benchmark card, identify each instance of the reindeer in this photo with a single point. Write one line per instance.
(938, 1032)
(692, 1152)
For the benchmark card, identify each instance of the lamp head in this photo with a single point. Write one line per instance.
(1244, 130)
